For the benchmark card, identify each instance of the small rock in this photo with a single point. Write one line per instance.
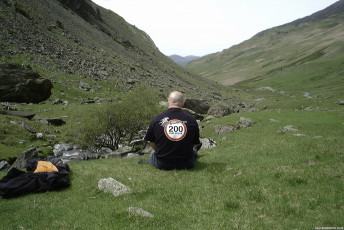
(244, 122)
(219, 129)
(4, 166)
(140, 212)
(132, 155)
(309, 163)
(273, 121)
(288, 128)
(208, 143)
(40, 136)
(341, 102)
(112, 186)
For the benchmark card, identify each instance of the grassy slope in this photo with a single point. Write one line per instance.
(254, 179)
(285, 57)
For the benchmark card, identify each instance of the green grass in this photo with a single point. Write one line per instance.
(254, 179)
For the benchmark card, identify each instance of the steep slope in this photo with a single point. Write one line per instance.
(305, 54)
(70, 41)
(183, 61)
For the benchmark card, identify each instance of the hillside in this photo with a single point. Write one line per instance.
(70, 41)
(306, 54)
(183, 61)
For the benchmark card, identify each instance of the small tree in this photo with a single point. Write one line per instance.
(114, 122)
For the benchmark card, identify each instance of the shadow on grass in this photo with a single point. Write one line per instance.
(212, 166)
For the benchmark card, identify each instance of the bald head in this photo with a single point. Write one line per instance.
(175, 100)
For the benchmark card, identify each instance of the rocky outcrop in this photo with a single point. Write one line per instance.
(25, 156)
(222, 109)
(196, 105)
(21, 84)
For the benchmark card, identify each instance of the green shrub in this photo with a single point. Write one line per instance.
(112, 123)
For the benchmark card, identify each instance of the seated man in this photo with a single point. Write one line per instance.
(174, 135)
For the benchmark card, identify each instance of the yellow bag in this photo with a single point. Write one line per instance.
(45, 166)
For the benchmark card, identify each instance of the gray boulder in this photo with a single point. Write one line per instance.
(21, 84)
(196, 105)
(244, 122)
(222, 109)
(219, 129)
(22, 114)
(25, 156)
(4, 166)
(110, 185)
(207, 143)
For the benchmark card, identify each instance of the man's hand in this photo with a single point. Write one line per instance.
(152, 144)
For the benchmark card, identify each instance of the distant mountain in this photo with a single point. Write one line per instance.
(183, 61)
(308, 52)
(69, 41)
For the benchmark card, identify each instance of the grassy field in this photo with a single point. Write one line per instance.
(255, 178)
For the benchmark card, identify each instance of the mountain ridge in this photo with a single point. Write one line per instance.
(279, 54)
(72, 40)
(183, 61)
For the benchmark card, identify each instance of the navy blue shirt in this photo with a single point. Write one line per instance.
(174, 133)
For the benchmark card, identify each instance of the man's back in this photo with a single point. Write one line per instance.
(173, 135)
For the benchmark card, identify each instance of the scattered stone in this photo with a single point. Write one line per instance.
(309, 163)
(40, 136)
(260, 99)
(219, 129)
(121, 152)
(273, 121)
(51, 121)
(22, 114)
(84, 86)
(244, 122)
(4, 166)
(140, 212)
(57, 102)
(299, 135)
(112, 186)
(208, 118)
(308, 109)
(131, 81)
(25, 156)
(341, 102)
(307, 95)
(132, 155)
(289, 128)
(27, 127)
(208, 143)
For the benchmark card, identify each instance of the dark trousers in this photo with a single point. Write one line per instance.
(170, 164)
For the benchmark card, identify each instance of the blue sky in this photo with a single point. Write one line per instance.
(201, 27)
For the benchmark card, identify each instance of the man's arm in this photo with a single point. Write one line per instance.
(152, 144)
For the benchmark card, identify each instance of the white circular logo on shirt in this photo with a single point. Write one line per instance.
(175, 130)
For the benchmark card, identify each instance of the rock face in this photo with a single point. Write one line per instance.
(196, 105)
(22, 85)
(222, 109)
